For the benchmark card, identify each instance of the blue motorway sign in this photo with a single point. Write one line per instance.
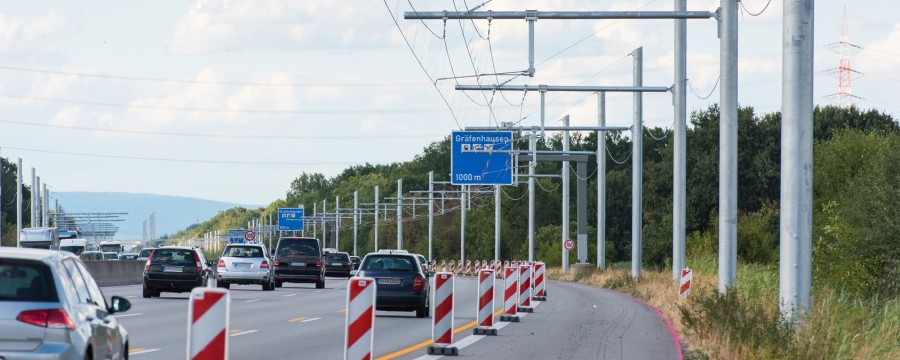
(481, 158)
(236, 236)
(290, 219)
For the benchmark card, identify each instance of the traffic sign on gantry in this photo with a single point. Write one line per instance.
(481, 158)
(290, 219)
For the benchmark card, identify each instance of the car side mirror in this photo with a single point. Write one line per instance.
(353, 272)
(118, 304)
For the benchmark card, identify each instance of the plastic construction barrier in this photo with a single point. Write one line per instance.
(442, 326)
(484, 306)
(360, 323)
(539, 283)
(208, 324)
(525, 288)
(685, 289)
(510, 295)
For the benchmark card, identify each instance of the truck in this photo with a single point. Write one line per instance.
(75, 246)
(39, 238)
(112, 246)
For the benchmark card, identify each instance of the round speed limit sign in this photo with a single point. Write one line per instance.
(249, 235)
(569, 244)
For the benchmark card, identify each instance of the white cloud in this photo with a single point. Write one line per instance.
(372, 123)
(27, 34)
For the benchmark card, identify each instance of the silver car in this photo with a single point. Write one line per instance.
(51, 308)
(245, 264)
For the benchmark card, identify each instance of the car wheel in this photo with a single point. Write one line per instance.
(265, 286)
(320, 284)
(154, 293)
(422, 311)
(147, 293)
(224, 285)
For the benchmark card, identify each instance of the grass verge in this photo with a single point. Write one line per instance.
(746, 323)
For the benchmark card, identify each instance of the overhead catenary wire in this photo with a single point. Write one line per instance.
(741, 3)
(691, 86)
(614, 159)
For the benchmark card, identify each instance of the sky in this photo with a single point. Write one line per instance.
(232, 100)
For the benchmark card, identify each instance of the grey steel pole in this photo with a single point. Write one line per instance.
(430, 213)
(355, 220)
(795, 227)
(337, 223)
(31, 205)
(45, 207)
(271, 232)
(601, 182)
(462, 224)
(315, 224)
(637, 143)
(532, 145)
(728, 141)
(543, 112)
(19, 194)
(497, 222)
(679, 171)
(1, 202)
(376, 218)
(565, 198)
(531, 20)
(324, 212)
(399, 214)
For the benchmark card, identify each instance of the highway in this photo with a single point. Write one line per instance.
(300, 322)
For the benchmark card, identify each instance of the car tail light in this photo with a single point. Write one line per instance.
(276, 261)
(147, 266)
(264, 265)
(418, 283)
(221, 264)
(319, 263)
(199, 264)
(49, 318)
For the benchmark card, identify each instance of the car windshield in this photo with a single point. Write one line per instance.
(298, 247)
(23, 280)
(145, 253)
(243, 251)
(77, 250)
(111, 256)
(172, 256)
(390, 263)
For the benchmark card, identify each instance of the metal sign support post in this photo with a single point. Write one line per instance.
(728, 140)
(315, 224)
(795, 227)
(532, 145)
(637, 143)
(601, 182)
(565, 197)
(376, 218)
(337, 223)
(18, 200)
(496, 222)
(399, 214)
(430, 212)
(322, 219)
(355, 220)
(31, 203)
(462, 224)
(679, 170)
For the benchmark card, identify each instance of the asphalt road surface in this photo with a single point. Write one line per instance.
(298, 321)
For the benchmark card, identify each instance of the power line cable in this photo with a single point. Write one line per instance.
(614, 159)
(691, 86)
(741, 2)
(206, 161)
(226, 136)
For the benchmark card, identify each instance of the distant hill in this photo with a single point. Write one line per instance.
(173, 213)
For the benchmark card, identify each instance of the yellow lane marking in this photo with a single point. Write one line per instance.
(135, 350)
(344, 310)
(429, 342)
(297, 319)
(235, 331)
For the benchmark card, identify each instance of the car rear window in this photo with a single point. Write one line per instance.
(337, 257)
(24, 280)
(145, 253)
(388, 262)
(173, 256)
(243, 251)
(307, 247)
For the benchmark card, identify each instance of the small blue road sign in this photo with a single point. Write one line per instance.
(236, 236)
(481, 158)
(290, 219)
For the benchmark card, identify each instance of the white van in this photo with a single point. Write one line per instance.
(75, 246)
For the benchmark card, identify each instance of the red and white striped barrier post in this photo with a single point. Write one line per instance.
(360, 321)
(208, 317)
(477, 265)
(540, 291)
(525, 289)
(459, 267)
(510, 295)
(443, 265)
(497, 269)
(685, 289)
(506, 264)
(452, 266)
(484, 312)
(468, 267)
(442, 327)
(433, 265)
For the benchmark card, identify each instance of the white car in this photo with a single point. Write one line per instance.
(245, 264)
(51, 308)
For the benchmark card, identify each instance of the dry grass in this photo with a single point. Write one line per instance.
(745, 324)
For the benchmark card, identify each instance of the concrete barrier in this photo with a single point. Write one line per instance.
(114, 273)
